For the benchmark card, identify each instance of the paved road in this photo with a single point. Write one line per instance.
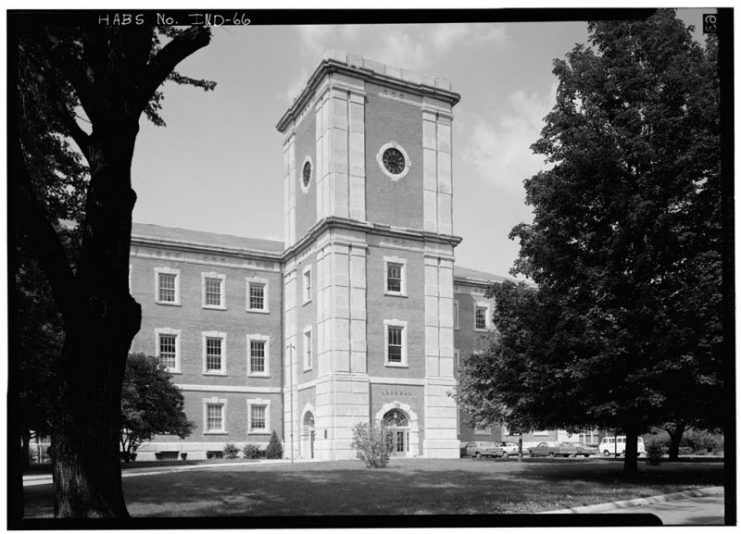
(708, 510)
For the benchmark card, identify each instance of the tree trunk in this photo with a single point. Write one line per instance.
(16, 462)
(25, 449)
(675, 432)
(86, 433)
(630, 467)
(15, 406)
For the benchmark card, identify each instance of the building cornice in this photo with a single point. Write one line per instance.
(326, 224)
(341, 223)
(330, 65)
(189, 246)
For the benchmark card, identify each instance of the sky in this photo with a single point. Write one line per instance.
(217, 165)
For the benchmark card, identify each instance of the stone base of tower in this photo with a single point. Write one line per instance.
(341, 403)
(441, 425)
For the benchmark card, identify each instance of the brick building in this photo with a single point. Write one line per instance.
(358, 315)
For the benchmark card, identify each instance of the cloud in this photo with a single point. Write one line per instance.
(408, 46)
(499, 150)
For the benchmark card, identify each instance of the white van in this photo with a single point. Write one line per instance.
(607, 446)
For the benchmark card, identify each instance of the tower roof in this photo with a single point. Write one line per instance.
(374, 71)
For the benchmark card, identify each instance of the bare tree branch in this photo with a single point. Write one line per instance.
(161, 65)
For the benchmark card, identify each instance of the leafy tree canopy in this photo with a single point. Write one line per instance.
(150, 403)
(624, 329)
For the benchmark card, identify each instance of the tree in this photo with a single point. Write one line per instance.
(625, 245)
(112, 75)
(275, 447)
(150, 404)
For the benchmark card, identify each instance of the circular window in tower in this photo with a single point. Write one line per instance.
(306, 174)
(393, 160)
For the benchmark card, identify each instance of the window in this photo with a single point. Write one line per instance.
(395, 276)
(481, 317)
(456, 315)
(167, 282)
(258, 416)
(214, 416)
(306, 174)
(257, 295)
(167, 342)
(258, 350)
(307, 284)
(482, 429)
(457, 355)
(214, 353)
(213, 290)
(395, 343)
(307, 348)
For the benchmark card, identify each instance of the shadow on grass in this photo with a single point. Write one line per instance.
(406, 488)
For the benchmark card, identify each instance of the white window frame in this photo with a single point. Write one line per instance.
(266, 294)
(403, 263)
(168, 332)
(266, 339)
(129, 278)
(216, 335)
(259, 402)
(306, 292)
(307, 356)
(166, 270)
(404, 359)
(487, 316)
(456, 314)
(216, 401)
(222, 289)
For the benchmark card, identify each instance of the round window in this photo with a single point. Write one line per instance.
(306, 174)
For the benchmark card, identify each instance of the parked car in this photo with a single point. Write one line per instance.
(544, 448)
(608, 446)
(573, 450)
(509, 448)
(479, 449)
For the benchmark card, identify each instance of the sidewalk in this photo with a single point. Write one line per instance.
(702, 506)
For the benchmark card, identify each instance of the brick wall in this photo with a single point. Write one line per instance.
(191, 319)
(398, 203)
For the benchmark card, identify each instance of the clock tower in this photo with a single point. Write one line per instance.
(368, 280)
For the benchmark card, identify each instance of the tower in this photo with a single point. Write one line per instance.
(368, 275)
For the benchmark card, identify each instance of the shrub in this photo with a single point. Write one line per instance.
(701, 440)
(275, 448)
(654, 451)
(369, 442)
(231, 451)
(183, 456)
(251, 451)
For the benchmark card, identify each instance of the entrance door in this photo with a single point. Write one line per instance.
(397, 432)
(307, 436)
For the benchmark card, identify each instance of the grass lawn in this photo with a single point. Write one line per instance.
(421, 486)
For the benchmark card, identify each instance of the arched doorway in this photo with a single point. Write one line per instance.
(307, 435)
(397, 436)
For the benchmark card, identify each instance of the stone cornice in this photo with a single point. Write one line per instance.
(330, 65)
(341, 223)
(329, 223)
(189, 246)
